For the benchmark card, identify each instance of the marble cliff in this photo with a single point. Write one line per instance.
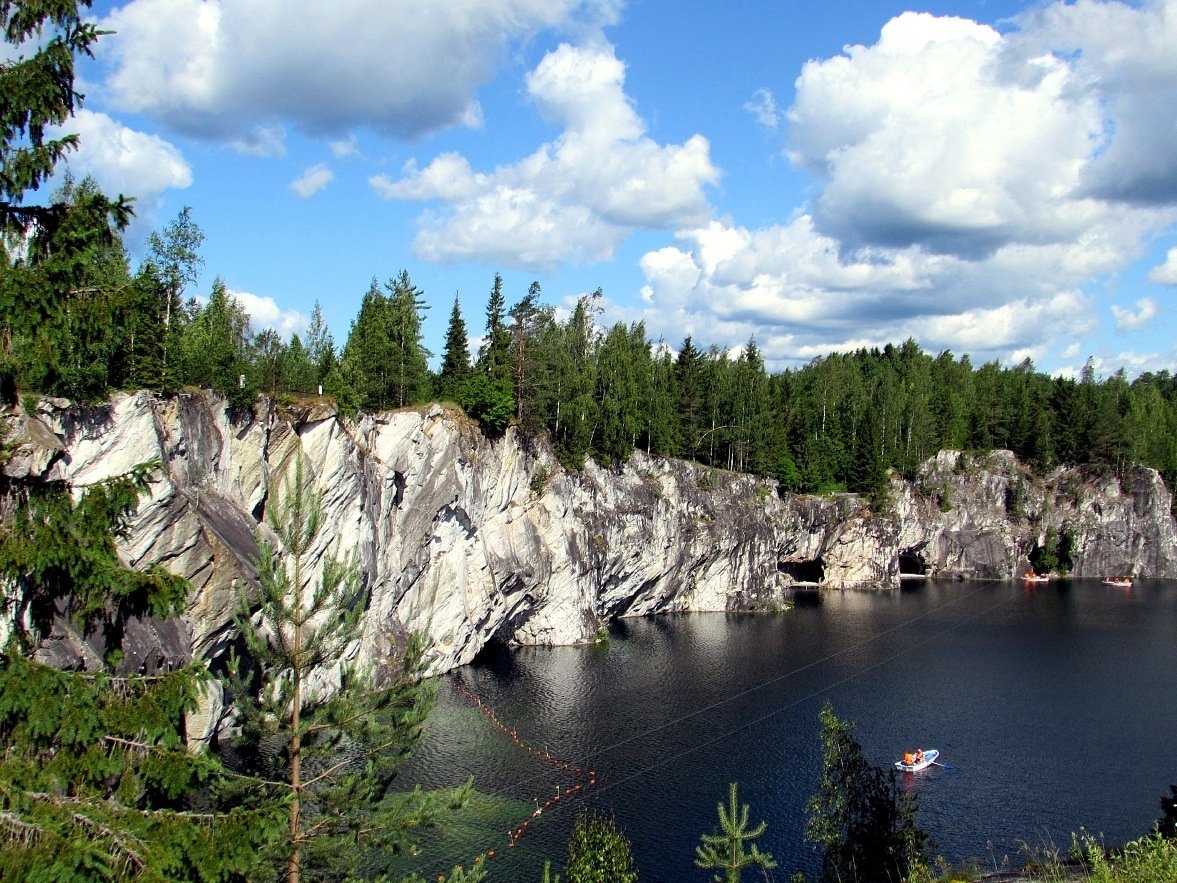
(475, 540)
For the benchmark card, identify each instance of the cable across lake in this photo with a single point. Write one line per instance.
(1053, 706)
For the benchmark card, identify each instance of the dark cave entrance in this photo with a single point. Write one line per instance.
(812, 571)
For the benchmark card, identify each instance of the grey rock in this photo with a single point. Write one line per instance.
(473, 540)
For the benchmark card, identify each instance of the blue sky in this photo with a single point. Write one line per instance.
(990, 178)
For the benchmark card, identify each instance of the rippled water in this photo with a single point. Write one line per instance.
(1055, 706)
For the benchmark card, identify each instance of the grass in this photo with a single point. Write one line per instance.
(1150, 859)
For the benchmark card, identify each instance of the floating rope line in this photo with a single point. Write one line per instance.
(587, 777)
(584, 764)
(588, 758)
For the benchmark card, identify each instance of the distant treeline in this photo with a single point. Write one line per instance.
(79, 323)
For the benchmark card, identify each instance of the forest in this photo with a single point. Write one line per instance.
(79, 322)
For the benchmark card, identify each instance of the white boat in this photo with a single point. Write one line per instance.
(914, 761)
(1033, 577)
(1123, 582)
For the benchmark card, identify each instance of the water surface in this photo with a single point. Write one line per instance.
(1056, 707)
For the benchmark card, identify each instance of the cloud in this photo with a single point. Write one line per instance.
(263, 141)
(763, 107)
(264, 312)
(791, 288)
(1121, 53)
(346, 148)
(312, 180)
(218, 68)
(933, 136)
(956, 200)
(1166, 273)
(1126, 320)
(123, 160)
(574, 199)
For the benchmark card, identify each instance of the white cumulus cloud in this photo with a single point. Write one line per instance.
(312, 180)
(575, 198)
(1127, 320)
(123, 160)
(963, 193)
(933, 137)
(264, 312)
(1166, 273)
(221, 68)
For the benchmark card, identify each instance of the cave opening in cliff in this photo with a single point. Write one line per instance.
(496, 656)
(911, 563)
(812, 571)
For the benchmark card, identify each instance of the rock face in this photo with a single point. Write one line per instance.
(472, 540)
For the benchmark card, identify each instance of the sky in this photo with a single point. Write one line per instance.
(991, 178)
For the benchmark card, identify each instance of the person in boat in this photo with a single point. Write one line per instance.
(919, 755)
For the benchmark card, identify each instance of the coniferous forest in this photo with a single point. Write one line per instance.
(79, 323)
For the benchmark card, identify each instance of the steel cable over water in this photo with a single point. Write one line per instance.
(585, 778)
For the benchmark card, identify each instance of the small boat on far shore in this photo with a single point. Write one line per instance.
(914, 761)
(1122, 582)
(1033, 577)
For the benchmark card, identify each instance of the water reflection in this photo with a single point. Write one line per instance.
(1055, 707)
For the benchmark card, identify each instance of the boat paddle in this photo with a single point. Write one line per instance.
(946, 766)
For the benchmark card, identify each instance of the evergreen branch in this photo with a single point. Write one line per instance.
(75, 804)
(16, 830)
(334, 768)
(147, 748)
(129, 855)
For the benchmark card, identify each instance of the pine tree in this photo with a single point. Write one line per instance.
(725, 849)
(329, 756)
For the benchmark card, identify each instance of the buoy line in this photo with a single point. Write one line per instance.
(580, 767)
(598, 752)
(582, 777)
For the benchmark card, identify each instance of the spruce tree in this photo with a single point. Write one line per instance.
(455, 358)
(689, 374)
(725, 849)
(410, 381)
(320, 346)
(97, 782)
(494, 359)
(487, 396)
(328, 754)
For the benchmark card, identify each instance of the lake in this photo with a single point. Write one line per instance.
(1054, 706)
